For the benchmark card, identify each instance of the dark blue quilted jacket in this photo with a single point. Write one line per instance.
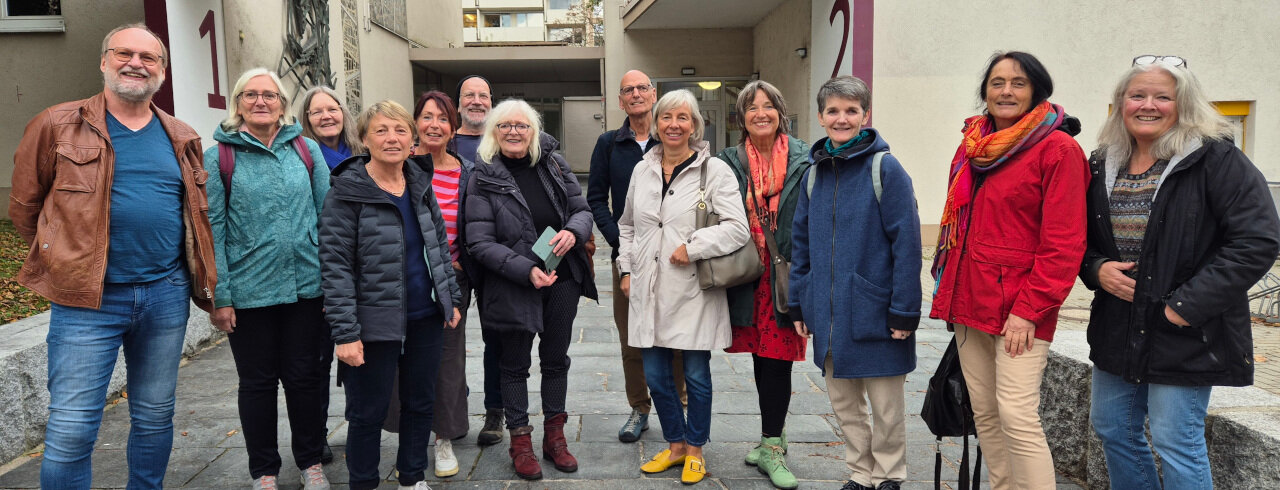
(362, 253)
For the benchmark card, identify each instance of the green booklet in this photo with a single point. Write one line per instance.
(543, 249)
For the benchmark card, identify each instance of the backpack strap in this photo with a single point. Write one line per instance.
(875, 176)
(227, 163)
(226, 167)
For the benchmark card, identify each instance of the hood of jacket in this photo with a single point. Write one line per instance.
(819, 153)
(241, 138)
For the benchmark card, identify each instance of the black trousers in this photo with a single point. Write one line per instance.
(282, 344)
(559, 308)
(369, 393)
(773, 385)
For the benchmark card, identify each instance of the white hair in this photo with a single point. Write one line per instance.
(1197, 118)
(234, 119)
(489, 142)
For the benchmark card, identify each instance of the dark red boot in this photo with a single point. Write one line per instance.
(554, 446)
(522, 456)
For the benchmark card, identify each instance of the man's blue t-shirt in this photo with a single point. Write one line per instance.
(417, 280)
(146, 204)
(467, 146)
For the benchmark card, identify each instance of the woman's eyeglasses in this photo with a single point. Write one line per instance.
(520, 128)
(1148, 59)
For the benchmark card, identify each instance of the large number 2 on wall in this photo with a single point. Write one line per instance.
(840, 7)
(216, 100)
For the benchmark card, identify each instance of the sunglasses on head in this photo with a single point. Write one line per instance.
(1148, 59)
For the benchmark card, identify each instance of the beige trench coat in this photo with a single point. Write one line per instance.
(667, 307)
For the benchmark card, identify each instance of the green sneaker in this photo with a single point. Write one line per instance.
(773, 463)
(753, 456)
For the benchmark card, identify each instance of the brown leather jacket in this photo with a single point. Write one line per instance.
(61, 200)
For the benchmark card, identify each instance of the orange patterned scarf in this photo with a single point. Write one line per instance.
(766, 187)
(984, 150)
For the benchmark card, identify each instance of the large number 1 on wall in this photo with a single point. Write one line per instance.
(216, 100)
(840, 7)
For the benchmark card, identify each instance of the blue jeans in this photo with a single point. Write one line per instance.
(696, 429)
(1177, 414)
(150, 321)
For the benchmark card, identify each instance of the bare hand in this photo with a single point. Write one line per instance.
(562, 242)
(625, 285)
(802, 329)
(1175, 318)
(457, 266)
(541, 279)
(224, 318)
(351, 353)
(1112, 279)
(899, 334)
(457, 316)
(680, 256)
(1019, 335)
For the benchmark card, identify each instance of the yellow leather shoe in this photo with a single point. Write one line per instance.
(694, 471)
(661, 462)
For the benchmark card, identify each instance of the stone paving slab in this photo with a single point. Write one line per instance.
(209, 448)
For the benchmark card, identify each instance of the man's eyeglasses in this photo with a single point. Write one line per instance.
(268, 97)
(519, 128)
(124, 56)
(1148, 59)
(642, 89)
(475, 95)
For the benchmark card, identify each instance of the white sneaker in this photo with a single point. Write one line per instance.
(265, 482)
(313, 478)
(446, 462)
(416, 486)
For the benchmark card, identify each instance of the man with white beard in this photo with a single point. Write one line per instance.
(474, 102)
(109, 192)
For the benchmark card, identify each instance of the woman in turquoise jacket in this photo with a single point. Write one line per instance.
(268, 298)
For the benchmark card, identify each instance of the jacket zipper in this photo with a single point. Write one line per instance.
(102, 275)
(831, 307)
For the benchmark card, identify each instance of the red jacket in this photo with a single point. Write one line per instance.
(1013, 260)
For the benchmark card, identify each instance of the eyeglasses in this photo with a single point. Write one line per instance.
(124, 56)
(268, 97)
(519, 128)
(1148, 59)
(642, 89)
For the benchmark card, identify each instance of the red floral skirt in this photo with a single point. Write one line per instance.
(765, 339)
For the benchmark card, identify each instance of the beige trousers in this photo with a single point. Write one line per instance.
(1005, 394)
(875, 447)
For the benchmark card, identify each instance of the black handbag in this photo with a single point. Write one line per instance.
(948, 413)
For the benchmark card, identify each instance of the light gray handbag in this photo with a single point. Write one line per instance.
(739, 267)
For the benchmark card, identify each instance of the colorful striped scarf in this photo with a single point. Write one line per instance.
(984, 150)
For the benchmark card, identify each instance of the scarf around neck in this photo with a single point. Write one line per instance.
(766, 185)
(985, 149)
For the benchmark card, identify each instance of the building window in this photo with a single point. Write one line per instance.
(1237, 113)
(498, 20)
(522, 20)
(468, 19)
(571, 35)
(562, 4)
(31, 16)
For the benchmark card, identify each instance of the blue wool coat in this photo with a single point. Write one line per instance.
(855, 262)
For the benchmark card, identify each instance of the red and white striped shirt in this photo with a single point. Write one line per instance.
(445, 184)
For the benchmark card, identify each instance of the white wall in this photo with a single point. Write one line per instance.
(929, 61)
(775, 41)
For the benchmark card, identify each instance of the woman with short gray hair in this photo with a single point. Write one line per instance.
(659, 242)
(1183, 226)
(768, 163)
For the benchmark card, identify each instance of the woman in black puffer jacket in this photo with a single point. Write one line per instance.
(519, 188)
(1181, 225)
(389, 289)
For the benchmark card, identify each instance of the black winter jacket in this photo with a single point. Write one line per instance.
(362, 252)
(1212, 233)
(614, 158)
(500, 239)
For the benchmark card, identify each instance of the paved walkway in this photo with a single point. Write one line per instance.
(209, 450)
